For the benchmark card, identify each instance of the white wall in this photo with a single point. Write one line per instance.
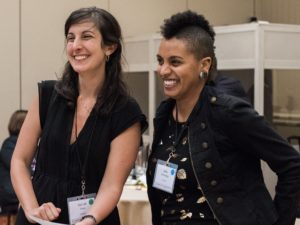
(279, 11)
(220, 12)
(138, 17)
(9, 63)
(43, 53)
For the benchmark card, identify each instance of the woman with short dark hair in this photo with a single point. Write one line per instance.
(204, 168)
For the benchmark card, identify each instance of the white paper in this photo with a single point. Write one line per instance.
(45, 222)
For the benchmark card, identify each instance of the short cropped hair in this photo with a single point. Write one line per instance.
(195, 30)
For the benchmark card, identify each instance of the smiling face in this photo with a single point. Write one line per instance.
(179, 70)
(84, 49)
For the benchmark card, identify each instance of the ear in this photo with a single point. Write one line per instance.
(206, 64)
(110, 49)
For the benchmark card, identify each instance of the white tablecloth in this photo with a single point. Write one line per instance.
(134, 207)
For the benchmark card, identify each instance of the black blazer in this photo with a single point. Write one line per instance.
(227, 140)
(230, 86)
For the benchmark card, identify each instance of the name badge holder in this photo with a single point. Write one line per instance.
(165, 175)
(78, 206)
(165, 172)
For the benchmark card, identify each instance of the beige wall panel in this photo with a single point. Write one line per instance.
(9, 63)
(220, 12)
(43, 54)
(279, 11)
(138, 17)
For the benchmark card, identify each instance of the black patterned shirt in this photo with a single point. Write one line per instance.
(186, 205)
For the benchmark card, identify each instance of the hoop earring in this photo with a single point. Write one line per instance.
(107, 58)
(203, 75)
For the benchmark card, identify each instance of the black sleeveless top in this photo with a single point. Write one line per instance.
(57, 174)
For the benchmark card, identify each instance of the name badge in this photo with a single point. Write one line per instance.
(78, 206)
(165, 175)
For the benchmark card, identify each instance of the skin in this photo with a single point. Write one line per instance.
(87, 57)
(179, 70)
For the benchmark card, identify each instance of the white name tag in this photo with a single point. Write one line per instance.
(78, 206)
(165, 175)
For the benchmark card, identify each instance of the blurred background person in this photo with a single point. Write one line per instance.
(7, 194)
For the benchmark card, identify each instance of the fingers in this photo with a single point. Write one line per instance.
(50, 211)
(47, 211)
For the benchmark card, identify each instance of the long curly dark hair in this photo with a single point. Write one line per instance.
(114, 89)
(195, 30)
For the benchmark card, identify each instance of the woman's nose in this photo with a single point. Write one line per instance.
(77, 44)
(163, 69)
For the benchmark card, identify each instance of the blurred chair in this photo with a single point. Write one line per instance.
(8, 214)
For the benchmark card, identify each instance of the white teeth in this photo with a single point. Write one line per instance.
(169, 83)
(80, 57)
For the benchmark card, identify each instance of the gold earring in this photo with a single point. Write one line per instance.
(107, 58)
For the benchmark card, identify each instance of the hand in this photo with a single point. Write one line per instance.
(46, 211)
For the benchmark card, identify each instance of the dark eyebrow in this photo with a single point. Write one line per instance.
(91, 29)
(175, 57)
(88, 31)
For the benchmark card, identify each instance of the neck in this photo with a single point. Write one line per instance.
(90, 86)
(184, 110)
(185, 106)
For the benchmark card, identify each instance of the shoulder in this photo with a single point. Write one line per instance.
(46, 88)
(9, 143)
(165, 106)
(128, 109)
(126, 103)
(47, 84)
(230, 85)
(228, 106)
(233, 116)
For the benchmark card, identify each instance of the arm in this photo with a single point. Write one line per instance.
(252, 133)
(20, 166)
(123, 152)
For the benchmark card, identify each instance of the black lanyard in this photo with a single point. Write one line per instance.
(177, 136)
(83, 167)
